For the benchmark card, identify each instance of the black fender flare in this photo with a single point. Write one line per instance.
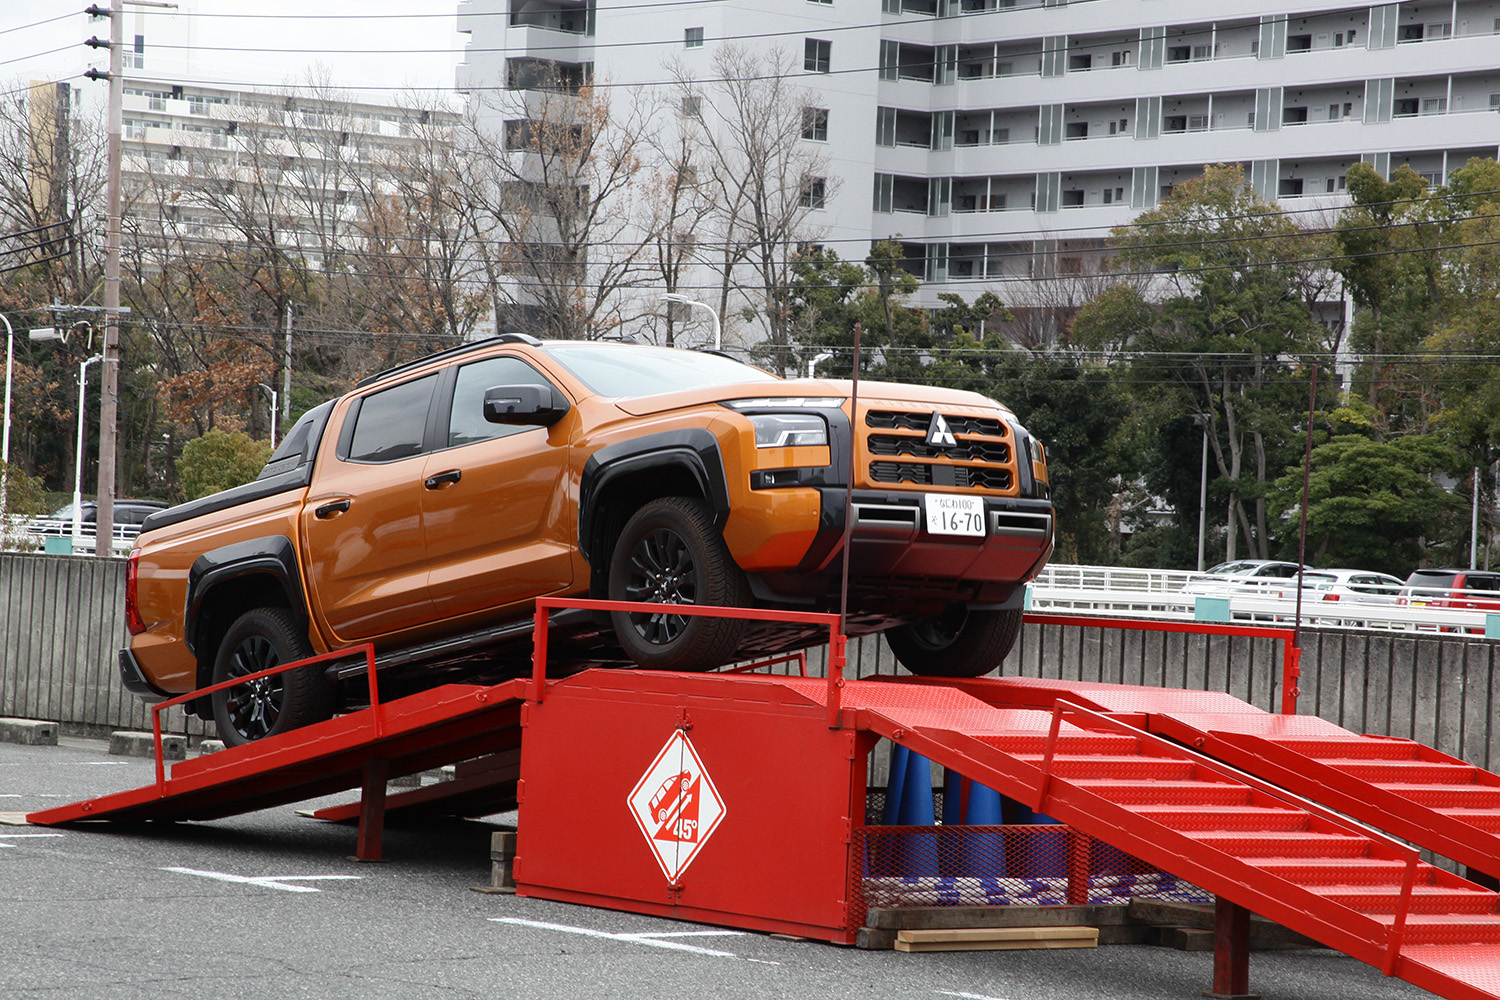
(693, 449)
(274, 556)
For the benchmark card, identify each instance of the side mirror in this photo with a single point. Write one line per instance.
(524, 405)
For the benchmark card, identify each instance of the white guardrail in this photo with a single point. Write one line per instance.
(55, 536)
(1157, 593)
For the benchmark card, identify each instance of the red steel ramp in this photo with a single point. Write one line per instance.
(455, 722)
(1229, 832)
(1422, 795)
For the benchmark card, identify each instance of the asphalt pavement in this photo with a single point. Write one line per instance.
(268, 906)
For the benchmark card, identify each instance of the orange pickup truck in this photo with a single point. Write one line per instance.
(426, 510)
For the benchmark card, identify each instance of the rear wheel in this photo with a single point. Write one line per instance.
(671, 553)
(956, 643)
(258, 640)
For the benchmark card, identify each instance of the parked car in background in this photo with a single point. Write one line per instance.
(129, 514)
(1352, 586)
(1463, 589)
(1266, 577)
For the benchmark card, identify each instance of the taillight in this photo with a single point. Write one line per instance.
(1330, 597)
(133, 620)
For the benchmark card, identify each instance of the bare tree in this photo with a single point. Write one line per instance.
(764, 181)
(556, 167)
(676, 203)
(421, 274)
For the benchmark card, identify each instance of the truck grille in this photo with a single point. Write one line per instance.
(964, 477)
(983, 457)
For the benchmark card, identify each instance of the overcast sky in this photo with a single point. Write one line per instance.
(225, 46)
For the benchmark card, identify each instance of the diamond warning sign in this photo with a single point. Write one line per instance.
(676, 805)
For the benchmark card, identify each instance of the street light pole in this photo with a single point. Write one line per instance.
(10, 350)
(273, 412)
(83, 376)
(1202, 419)
(714, 313)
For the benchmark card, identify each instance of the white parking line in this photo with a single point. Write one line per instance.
(266, 881)
(651, 939)
(25, 836)
(967, 996)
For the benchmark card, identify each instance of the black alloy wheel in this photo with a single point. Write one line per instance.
(258, 640)
(670, 552)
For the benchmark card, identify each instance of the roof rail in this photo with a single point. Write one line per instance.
(506, 338)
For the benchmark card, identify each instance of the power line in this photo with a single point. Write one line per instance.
(38, 24)
(278, 265)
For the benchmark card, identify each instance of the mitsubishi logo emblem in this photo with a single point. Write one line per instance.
(939, 434)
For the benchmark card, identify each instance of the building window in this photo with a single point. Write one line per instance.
(885, 125)
(692, 38)
(692, 107)
(816, 55)
(815, 124)
(885, 192)
(815, 193)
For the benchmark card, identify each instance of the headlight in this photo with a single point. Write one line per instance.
(788, 430)
(786, 403)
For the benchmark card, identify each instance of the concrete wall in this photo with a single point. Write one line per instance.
(62, 621)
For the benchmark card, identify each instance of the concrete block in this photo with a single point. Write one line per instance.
(210, 746)
(1182, 938)
(128, 744)
(28, 732)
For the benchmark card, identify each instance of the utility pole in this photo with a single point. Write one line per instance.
(109, 375)
(286, 370)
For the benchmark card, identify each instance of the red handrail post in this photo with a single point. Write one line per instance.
(1398, 923)
(539, 652)
(1291, 671)
(161, 764)
(837, 654)
(1046, 782)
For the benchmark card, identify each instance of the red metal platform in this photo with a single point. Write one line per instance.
(735, 798)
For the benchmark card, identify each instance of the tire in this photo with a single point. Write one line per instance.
(670, 553)
(258, 640)
(956, 643)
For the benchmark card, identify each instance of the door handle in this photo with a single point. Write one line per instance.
(442, 479)
(333, 509)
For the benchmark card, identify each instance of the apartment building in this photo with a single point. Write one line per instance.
(318, 151)
(1000, 140)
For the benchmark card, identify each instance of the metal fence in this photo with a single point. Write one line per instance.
(62, 622)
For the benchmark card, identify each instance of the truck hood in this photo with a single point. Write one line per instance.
(871, 393)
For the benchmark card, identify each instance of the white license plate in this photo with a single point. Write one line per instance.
(950, 515)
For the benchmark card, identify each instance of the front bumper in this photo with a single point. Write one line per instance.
(896, 562)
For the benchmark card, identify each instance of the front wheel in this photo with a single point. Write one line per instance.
(956, 643)
(259, 640)
(671, 553)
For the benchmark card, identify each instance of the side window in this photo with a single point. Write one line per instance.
(390, 423)
(466, 423)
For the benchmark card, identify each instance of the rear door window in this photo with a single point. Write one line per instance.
(391, 424)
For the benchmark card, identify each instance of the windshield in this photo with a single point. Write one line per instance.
(634, 370)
